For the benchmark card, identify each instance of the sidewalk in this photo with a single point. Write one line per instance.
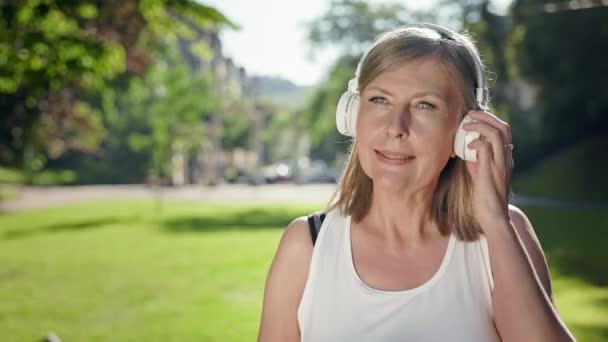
(40, 197)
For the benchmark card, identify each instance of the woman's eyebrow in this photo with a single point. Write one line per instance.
(430, 92)
(380, 89)
(420, 93)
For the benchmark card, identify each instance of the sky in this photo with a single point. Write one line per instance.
(272, 38)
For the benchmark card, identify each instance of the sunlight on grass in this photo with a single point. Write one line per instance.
(574, 242)
(185, 271)
(575, 173)
(583, 307)
(122, 271)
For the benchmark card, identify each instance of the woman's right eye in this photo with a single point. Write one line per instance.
(378, 100)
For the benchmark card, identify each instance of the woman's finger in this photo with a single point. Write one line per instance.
(494, 137)
(484, 157)
(494, 121)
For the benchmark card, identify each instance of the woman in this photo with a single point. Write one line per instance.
(417, 244)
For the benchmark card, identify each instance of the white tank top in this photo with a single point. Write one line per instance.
(454, 305)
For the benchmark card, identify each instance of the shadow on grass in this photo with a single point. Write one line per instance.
(61, 227)
(242, 219)
(574, 241)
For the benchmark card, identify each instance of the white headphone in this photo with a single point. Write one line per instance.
(348, 105)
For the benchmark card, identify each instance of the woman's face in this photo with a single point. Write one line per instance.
(406, 124)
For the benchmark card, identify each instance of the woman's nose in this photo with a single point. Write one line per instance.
(398, 126)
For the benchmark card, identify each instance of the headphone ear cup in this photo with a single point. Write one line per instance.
(347, 112)
(462, 139)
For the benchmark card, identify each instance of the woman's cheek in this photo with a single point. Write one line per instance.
(364, 161)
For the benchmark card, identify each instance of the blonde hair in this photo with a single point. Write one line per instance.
(451, 202)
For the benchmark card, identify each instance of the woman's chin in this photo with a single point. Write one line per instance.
(390, 182)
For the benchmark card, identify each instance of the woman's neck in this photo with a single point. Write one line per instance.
(402, 217)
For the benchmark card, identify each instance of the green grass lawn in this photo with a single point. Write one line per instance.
(574, 241)
(128, 271)
(577, 172)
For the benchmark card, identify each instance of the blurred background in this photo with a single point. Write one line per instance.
(152, 151)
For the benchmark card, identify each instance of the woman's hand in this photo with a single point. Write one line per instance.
(492, 171)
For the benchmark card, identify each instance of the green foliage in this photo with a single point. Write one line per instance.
(42, 46)
(10, 176)
(236, 131)
(46, 60)
(44, 177)
(564, 54)
(173, 102)
(321, 111)
(59, 62)
(352, 24)
(197, 13)
(159, 114)
(281, 135)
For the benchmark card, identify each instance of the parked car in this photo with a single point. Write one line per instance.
(237, 175)
(279, 172)
(317, 172)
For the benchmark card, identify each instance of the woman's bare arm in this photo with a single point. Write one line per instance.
(523, 310)
(528, 237)
(285, 284)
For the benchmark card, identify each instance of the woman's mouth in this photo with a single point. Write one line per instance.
(394, 158)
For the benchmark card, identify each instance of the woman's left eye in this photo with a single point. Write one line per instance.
(425, 105)
(379, 100)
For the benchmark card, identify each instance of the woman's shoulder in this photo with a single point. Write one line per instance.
(522, 225)
(296, 246)
(294, 251)
(296, 237)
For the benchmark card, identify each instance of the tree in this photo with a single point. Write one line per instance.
(353, 24)
(564, 54)
(321, 111)
(54, 54)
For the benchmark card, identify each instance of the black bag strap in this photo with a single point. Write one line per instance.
(315, 220)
